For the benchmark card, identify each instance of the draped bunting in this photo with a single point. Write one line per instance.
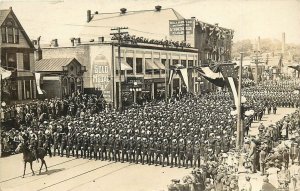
(5, 73)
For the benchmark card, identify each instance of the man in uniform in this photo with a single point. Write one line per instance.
(63, 145)
(181, 153)
(145, 147)
(56, 143)
(197, 158)
(253, 155)
(174, 152)
(189, 153)
(151, 151)
(117, 148)
(124, 145)
(33, 146)
(262, 160)
(97, 146)
(78, 144)
(138, 148)
(131, 150)
(103, 150)
(158, 151)
(48, 143)
(85, 145)
(91, 146)
(165, 152)
(70, 145)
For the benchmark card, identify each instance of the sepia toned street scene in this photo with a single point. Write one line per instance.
(174, 95)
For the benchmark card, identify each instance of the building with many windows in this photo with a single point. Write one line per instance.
(152, 42)
(17, 55)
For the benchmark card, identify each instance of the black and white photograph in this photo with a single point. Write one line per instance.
(150, 95)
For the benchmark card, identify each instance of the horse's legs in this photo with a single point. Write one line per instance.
(31, 168)
(41, 166)
(45, 164)
(24, 169)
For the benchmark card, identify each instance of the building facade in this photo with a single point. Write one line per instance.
(146, 65)
(17, 55)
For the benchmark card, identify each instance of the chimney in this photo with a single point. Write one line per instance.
(283, 43)
(157, 8)
(88, 16)
(72, 41)
(54, 43)
(77, 41)
(193, 18)
(258, 43)
(123, 11)
(101, 39)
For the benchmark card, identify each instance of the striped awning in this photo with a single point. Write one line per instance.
(124, 66)
(151, 65)
(159, 64)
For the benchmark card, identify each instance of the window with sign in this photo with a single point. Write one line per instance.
(139, 66)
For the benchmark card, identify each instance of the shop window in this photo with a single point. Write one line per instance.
(190, 63)
(175, 62)
(26, 61)
(139, 65)
(183, 63)
(130, 63)
(12, 61)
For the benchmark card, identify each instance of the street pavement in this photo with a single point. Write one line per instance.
(256, 178)
(66, 174)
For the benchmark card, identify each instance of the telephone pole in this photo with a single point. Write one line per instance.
(118, 34)
(239, 124)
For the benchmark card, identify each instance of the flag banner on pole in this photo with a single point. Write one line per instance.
(38, 83)
(184, 76)
(213, 77)
(230, 76)
(5, 73)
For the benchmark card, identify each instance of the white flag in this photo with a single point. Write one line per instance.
(38, 82)
(4, 73)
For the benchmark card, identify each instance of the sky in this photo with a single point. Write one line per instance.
(63, 19)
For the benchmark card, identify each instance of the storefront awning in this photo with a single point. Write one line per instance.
(124, 66)
(151, 65)
(159, 64)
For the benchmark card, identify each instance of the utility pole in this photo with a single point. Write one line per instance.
(119, 33)
(184, 30)
(0, 115)
(256, 60)
(238, 107)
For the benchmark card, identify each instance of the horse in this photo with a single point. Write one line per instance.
(28, 156)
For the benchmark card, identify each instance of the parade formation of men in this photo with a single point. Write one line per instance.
(190, 131)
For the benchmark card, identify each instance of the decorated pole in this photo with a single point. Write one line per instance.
(238, 107)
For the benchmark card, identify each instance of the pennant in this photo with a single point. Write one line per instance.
(296, 67)
(184, 76)
(4, 73)
(215, 78)
(38, 81)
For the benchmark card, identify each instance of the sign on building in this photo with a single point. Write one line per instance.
(101, 77)
(176, 27)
